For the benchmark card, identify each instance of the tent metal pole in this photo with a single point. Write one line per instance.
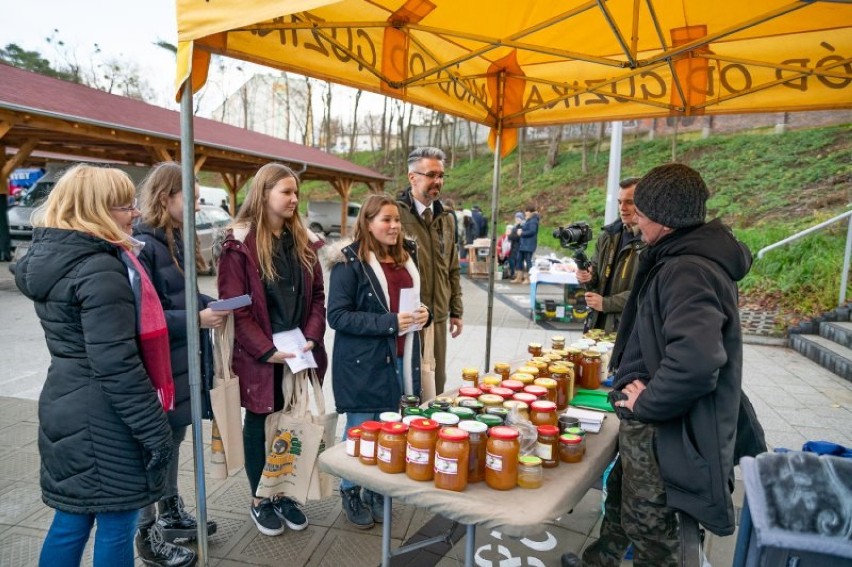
(495, 197)
(187, 158)
(614, 174)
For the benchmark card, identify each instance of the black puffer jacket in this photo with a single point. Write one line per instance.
(169, 281)
(689, 330)
(99, 416)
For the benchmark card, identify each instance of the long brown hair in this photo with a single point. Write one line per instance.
(164, 181)
(82, 200)
(253, 214)
(368, 243)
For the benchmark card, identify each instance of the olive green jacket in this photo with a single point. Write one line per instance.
(615, 263)
(437, 257)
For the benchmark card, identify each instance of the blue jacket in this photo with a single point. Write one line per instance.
(364, 355)
(529, 234)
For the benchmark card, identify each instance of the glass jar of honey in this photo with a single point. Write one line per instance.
(489, 420)
(527, 369)
(353, 440)
(390, 450)
(547, 445)
(445, 419)
(408, 401)
(503, 369)
(490, 400)
(490, 380)
(541, 364)
(574, 355)
(470, 392)
(559, 373)
(470, 377)
(590, 370)
(504, 393)
(514, 385)
(463, 413)
(501, 458)
(540, 392)
(477, 439)
(534, 349)
(543, 412)
(579, 432)
(475, 405)
(420, 449)
(549, 384)
(523, 378)
(451, 459)
(390, 417)
(570, 450)
(525, 397)
(369, 437)
(557, 342)
(530, 474)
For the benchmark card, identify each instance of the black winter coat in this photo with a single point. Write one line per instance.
(689, 330)
(99, 416)
(168, 279)
(364, 354)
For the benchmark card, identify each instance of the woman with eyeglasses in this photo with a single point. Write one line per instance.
(270, 255)
(104, 438)
(161, 230)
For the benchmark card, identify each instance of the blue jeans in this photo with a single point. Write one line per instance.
(69, 533)
(354, 419)
(525, 262)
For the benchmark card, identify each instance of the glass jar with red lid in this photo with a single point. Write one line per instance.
(543, 412)
(478, 438)
(504, 393)
(420, 449)
(514, 385)
(470, 392)
(369, 438)
(525, 397)
(501, 457)
(451, 459)
(540, 392)
(547, 445)
(390, 450)
(353, 441)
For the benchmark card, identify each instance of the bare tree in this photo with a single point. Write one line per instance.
(308, 135)
(328, 141)
(599, 141)
(676, 121)
(354, 133)
(554, 139)
(471, 140)
(584, 148)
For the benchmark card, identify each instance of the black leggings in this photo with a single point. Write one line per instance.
(254, 447)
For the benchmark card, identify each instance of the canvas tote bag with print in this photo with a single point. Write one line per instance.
(293, 442)
(322, 485)
(226, 444)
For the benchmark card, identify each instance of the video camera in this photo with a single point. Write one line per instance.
(576, 236)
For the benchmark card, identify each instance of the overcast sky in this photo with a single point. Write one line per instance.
(125, 29)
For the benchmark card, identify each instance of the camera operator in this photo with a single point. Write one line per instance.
(613, 269)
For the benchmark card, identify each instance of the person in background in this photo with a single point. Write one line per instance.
(480, 222)
(104, 438)
(376, 355)
(504, 251)
(678, 388)
(224, 206)
(161, 230)
(424, 219)
(528, 233)
(515, 240)
(610, 277)
(270, 255)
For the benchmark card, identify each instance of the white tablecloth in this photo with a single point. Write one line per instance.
(515, 512)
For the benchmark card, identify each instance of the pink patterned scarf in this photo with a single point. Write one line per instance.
(153, 335)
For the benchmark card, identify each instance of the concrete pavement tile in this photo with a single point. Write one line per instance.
(15, 410)
(545, 548)
(233, 495)
(340, 548)
(20, 547)
(400, 515)
(18, 501)
(787, 439)
(798, 387)
(585, 514)
(817, 401)
(823, 434)
(840, 396)
(19, 434)
(20, 465)
(290, 548)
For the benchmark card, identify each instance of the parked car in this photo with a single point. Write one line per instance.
(324, 216)
(210, 224)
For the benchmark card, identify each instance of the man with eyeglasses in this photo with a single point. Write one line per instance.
(425, 219)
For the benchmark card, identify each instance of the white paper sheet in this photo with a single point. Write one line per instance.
(409, 302)
(230, 303)
(293, 342)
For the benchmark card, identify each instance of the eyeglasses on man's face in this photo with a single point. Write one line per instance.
(432, 174)
(129, 209)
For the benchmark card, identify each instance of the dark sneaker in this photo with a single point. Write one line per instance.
(266, 519)
(289, 513)
(376, 503)
(154, 550)
(570, 560)
(357, 514)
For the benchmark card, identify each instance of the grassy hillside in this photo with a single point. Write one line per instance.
(765, 185)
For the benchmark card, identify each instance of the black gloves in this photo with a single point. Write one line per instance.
(159, 457)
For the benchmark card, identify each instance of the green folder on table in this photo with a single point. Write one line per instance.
(592, 399)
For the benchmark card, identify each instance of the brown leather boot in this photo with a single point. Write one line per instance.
(519, 276)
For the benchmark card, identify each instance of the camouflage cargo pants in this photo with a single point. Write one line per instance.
(635, 510)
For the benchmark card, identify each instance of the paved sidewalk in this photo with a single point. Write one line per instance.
(795, 399)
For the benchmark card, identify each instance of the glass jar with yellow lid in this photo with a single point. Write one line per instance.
(590, 370)
(470, 377)
(503, 369)
(523, 378)
(550, 385)
(557, 342)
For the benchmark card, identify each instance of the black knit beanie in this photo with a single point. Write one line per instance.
(672, 195)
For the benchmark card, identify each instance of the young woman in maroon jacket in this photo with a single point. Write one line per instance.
(270, 255)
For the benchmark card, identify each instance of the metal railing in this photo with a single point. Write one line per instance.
(844, 277)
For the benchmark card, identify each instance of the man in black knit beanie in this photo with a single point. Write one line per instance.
(678, 385)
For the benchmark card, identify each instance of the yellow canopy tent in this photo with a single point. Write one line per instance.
(510, 63)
